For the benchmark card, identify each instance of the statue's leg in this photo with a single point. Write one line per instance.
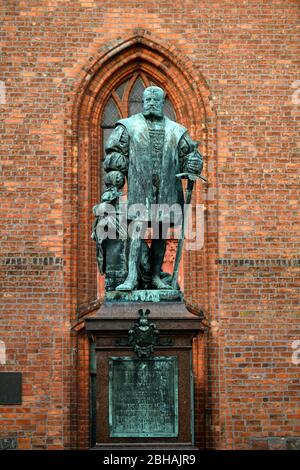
(131, 281)
(157, 253)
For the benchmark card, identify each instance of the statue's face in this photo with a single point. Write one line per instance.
(153, 102)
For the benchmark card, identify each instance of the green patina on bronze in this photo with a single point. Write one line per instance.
(153, 154)
(143, 397)
(146, 295)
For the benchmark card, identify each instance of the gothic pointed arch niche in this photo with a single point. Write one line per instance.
(125, 100)
(118, 72)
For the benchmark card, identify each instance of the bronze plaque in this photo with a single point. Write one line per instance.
(143, 397)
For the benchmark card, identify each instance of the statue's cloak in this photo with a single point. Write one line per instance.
(140, 165)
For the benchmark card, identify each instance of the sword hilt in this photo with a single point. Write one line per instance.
(190, 176)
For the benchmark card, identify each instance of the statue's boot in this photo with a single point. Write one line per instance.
(131, 282)
(128, 285)
(158, 249)
(159, 283)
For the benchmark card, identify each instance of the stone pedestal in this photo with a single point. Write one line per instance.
(144, 403)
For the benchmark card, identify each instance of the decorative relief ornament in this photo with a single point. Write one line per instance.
(143, 336)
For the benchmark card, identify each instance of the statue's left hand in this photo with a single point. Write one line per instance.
(194, 164)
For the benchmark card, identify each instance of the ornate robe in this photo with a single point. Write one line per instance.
(131, 148)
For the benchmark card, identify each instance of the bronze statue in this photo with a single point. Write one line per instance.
(151, 151)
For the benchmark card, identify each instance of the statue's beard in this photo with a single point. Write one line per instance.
(153, 113)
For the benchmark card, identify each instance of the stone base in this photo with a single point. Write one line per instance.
(115, 316)
(108, 330)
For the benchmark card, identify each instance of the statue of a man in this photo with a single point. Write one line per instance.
(150, 150)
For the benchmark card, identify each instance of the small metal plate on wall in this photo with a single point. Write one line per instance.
(10, 388)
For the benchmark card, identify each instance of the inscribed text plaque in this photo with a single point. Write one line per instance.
(143, 397)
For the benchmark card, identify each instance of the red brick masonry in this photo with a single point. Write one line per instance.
(231, 70)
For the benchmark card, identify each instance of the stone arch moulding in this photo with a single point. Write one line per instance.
(190, 96)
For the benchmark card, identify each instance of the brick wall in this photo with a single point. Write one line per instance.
(236, 63)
